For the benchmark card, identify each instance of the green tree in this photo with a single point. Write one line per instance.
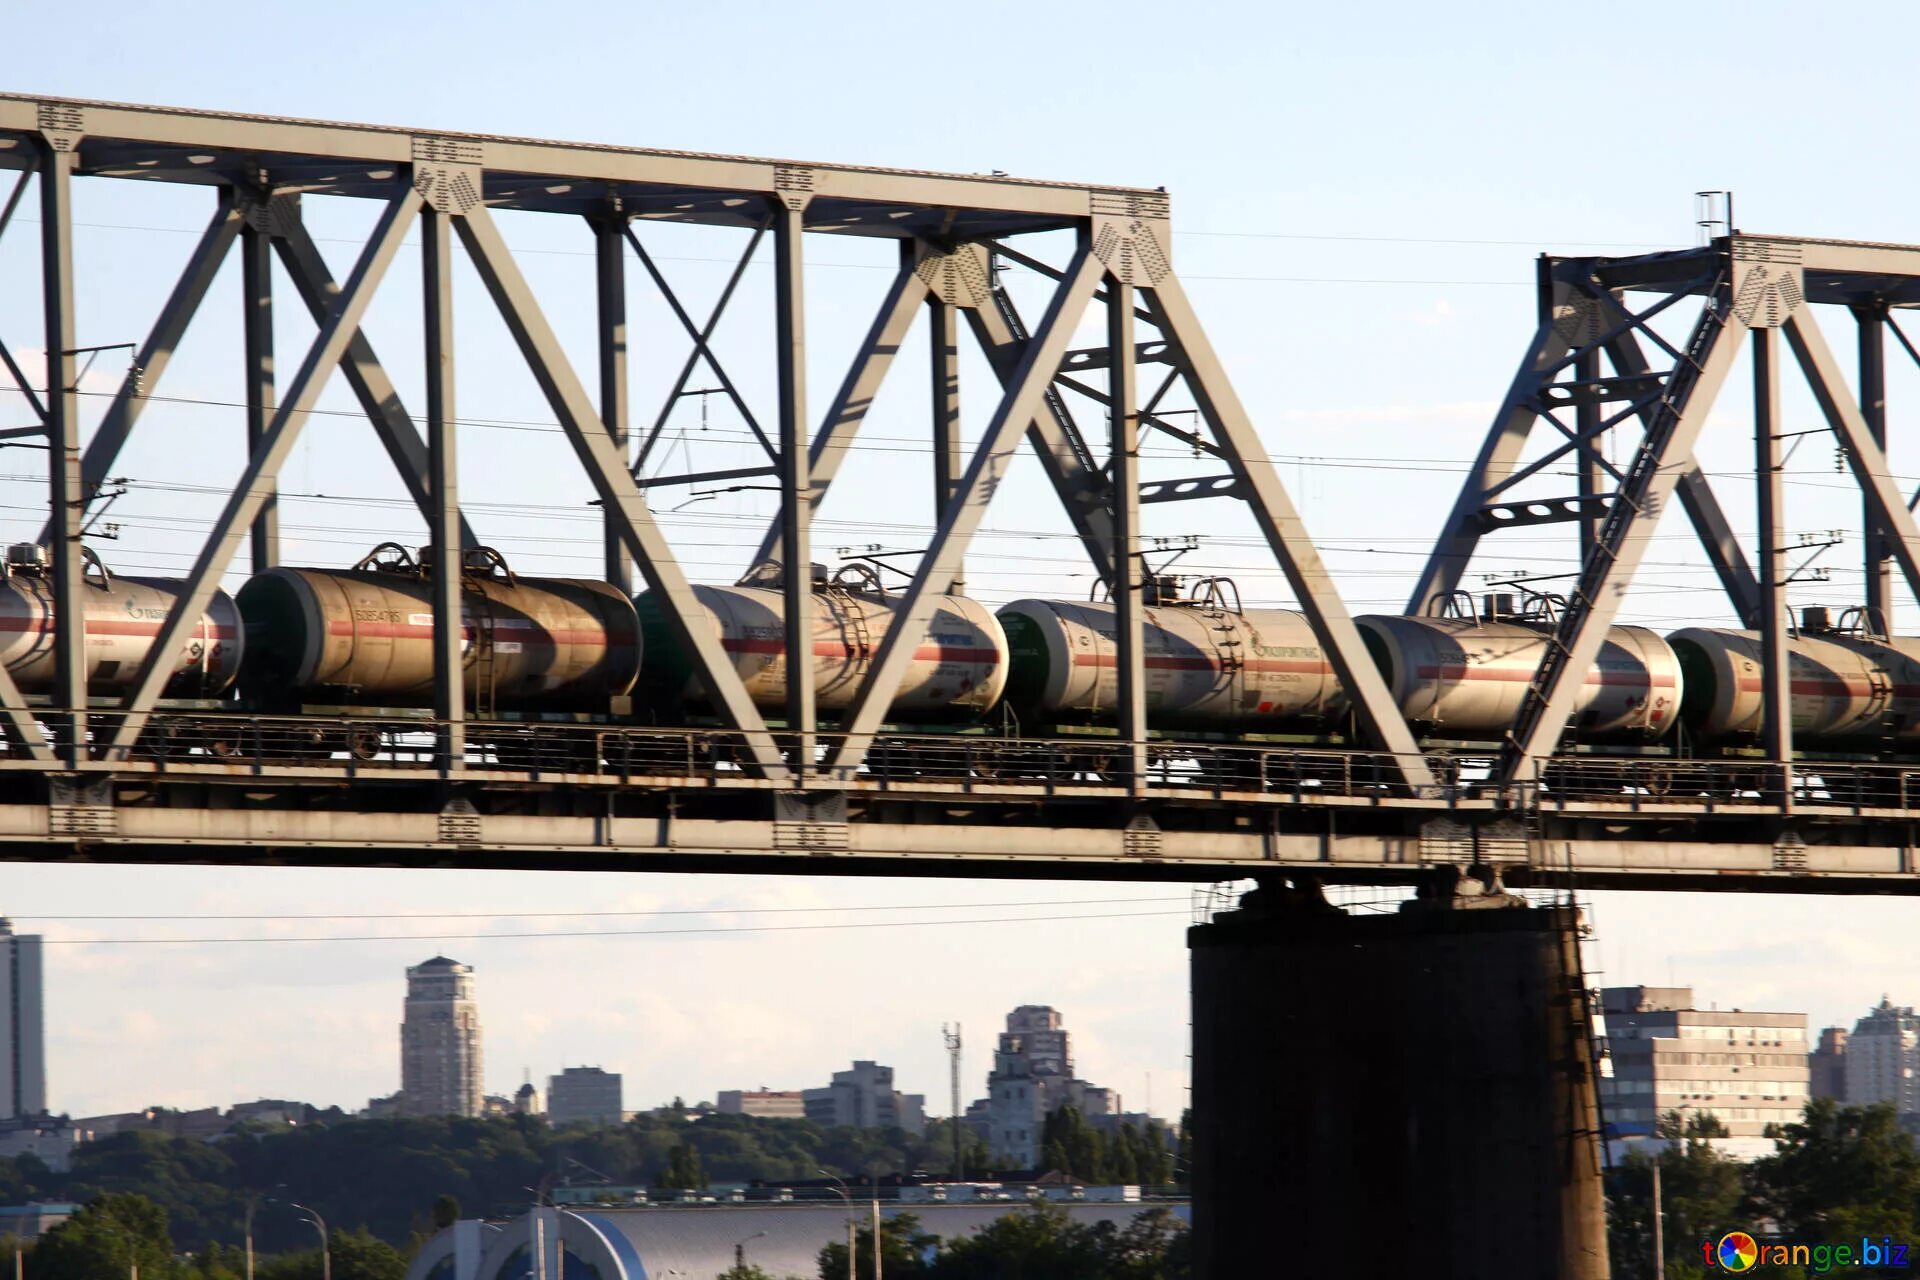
(745, 1271)
(1037, 1242)
(904, 1250)
(683, 1170)
(1842, 1173)
(1701, 1198)
(109, 1233)
(446, 1212)
(356, 1255)
(1183, 1155)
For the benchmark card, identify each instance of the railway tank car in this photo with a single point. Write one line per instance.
(1465, 677)
(1209, 663)
(1850, 687)
(957, 673)
(124, 616)
(364, 636)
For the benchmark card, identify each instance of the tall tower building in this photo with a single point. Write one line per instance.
(440, 1041)
(23, 1051)
(1882, 1061)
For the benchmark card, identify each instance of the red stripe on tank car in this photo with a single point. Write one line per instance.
(1834, 688)
(1593, 677)
(1300, 666)
(533, 635)
(835, 649)
(117, 628)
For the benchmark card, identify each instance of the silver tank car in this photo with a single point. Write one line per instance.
(365, 635)
(1209, 663)
(956, 673)
(1848, 687)
(123, 617)
(1461, 678)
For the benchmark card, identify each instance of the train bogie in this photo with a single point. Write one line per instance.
(1462, 678)
(957, 671)
(365, 636)
(1207, 666)
(124, 616)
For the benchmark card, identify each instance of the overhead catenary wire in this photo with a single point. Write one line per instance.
(533, 935)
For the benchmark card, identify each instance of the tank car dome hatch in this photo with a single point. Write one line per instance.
(957, 673)
(365, 635)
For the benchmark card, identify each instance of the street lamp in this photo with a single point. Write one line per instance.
(326, 1247)
(740, 1251)
(254, 1200)
(846, 1195)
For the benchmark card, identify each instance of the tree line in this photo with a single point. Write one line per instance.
(1840, 1175)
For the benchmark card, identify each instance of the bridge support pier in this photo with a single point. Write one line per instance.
(1378, 1095)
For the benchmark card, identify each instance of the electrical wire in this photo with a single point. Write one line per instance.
(551, 915)
(532, 935)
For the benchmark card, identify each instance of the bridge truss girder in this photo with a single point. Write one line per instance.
(948, 226)
(1755, 290)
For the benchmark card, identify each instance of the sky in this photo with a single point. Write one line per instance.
(1358, 193)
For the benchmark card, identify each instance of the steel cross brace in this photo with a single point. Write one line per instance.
(606, 467)
(1380, 721)
(1021, 401)
(1595, 601)
(255, 487)
(1865, 457)
(848, 411)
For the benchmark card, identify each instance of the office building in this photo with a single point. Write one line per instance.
(584, 1095)
(1827, 1065)
(863, 1097)
(1746, 1070)
(1032, 1078)
(23, 1051)
(440, 1041)
(772, 1104)
(1882, 1062)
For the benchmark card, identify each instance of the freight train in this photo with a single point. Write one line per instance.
(358, 643)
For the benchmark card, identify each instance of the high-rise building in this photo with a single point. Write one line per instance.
(584, 1095)
(440, 1041)
(863, 1097)
(1746, 1070)
(1883, 1058)
(1032, 1077)
(23, 1052)
(1827, 1065)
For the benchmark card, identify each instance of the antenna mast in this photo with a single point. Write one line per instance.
(952, 1035)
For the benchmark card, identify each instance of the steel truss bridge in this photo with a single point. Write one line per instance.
(133, 780)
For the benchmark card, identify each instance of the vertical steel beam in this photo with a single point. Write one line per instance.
(610, 275)
(151, 361)
(943, 367)
(1872, 320)
(1380, 721)
(1775, 664)
(1587, 418)
(249, 494)
(1886, 506)
(66, 497)
(1025, 389)
(796, 489)
(1123, 474)
(857, 391)
(256, 288)
(449, 624)
(607, 469)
